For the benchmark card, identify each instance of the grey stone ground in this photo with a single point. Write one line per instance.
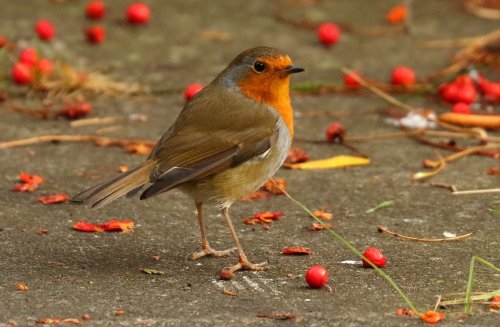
(71, 273)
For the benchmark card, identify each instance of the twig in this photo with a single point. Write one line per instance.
(482, 191)
(424, 175)
(97, 140)
(96, 121)
(377, 91)
(384, 230)
(463, 153)
(470, 281)
(436, 306)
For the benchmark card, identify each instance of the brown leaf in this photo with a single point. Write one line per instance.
(298, 250)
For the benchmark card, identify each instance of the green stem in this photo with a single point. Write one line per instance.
(470, 281)
(359, 254)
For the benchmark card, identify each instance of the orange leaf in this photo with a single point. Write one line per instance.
(84, 226)
(432, 317)
(298, 250)
(268, 215)
(139, 148)
(109, 226)
(25, 187)
(316, 227)
(31, 178)
(397, 14)
(405, 312)
(22, 287)
(53, 198)
(118, 225)
(296, 155)
(271, 187)
(322, 215)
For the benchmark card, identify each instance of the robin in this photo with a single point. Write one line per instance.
(228, 140)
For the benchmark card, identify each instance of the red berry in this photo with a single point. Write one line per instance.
(402, 75)
(491, 90)
(191, 90)
(95, 9)
(45, 66)
(375, 256)
(45, 30)
(22, 74)
(328, 34)
(3, 41)
(138, 13)
(350, 81)
(28, 56)
(461, 108)
(317, 276)
(335, 132)
(95, 34)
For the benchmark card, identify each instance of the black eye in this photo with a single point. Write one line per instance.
(259, 66)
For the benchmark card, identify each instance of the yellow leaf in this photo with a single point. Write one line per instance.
(331, 163)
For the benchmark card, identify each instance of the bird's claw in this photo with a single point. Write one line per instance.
(208, 251)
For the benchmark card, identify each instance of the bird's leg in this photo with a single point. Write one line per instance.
(205, 247)
(243, 263)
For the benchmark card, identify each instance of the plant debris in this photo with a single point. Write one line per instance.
(411, 238)
(29, 182)
(297, 250)
(432, 317)
(109, 226)
(323, 215)
(277, 316)
(264, 217)
(152, 271)
(340, 161)
(384, 204)
(22, 287)
(53, 198)
(317, 227)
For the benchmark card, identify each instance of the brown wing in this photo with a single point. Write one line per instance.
(210, 135)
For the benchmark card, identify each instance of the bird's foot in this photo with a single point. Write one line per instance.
(247, 265)
(208, 251)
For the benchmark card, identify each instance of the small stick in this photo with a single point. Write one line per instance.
(377, 91)
(436, 306)
(101, 141)
(95, 121)
(411, 238)
(461, 154)
(481, 191)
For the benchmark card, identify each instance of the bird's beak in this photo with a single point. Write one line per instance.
(293, 69)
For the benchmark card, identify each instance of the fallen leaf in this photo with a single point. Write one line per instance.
(298, 250)
(31, 178)
(119, 312)
(42, 231)
(397, 14)
(152, 271)
(22, 287)
(405, 312)
(25, 187)
(331, 163)
(139, 148)
(53, 198)
(275, 186)
(432, 317)
(382, 205)
(118, 225)
(316, 227)
(296, 155)
(109, 226)
(322, 215)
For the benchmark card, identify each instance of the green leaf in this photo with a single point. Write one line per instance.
(384, 204)
(152, 272)
(495, 211)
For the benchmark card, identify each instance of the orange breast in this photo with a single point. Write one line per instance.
(273, 91)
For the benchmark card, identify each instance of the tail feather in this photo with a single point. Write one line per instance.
(102, 194)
